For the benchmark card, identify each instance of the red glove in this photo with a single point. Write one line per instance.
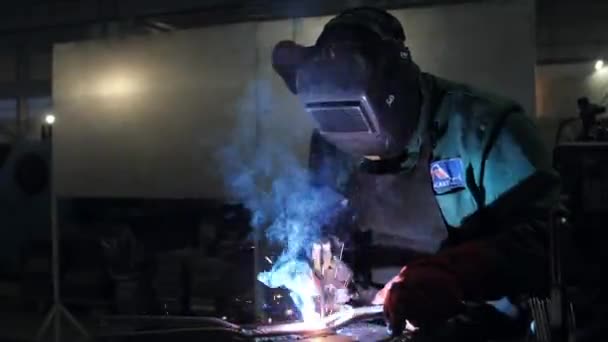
(423, 295)
(431, 290)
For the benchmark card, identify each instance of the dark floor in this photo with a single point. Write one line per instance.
(20, 321)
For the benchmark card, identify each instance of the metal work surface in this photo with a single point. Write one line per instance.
(333, 321)
(356, 324)
(352, 332)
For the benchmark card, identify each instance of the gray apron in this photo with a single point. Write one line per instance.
(401, 213)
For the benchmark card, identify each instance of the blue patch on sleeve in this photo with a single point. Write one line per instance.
(447, 175)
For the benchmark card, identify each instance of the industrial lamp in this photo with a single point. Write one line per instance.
(599, 65)
(49, 119)
(47, 126)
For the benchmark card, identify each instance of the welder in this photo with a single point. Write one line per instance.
(431, 168)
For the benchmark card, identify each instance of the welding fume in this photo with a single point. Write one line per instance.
(440, 191)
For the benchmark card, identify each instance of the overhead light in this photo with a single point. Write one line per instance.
(599, 65)
(49, 119)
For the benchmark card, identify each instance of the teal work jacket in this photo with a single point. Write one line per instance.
(509, 184)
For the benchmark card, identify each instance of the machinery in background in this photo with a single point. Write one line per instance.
(164, 257)
(127, 256)
(583, 167)
(589, 125)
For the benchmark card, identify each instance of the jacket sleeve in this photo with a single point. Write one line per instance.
(508, 254)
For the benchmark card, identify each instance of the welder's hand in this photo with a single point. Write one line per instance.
(421, 294)
(381, 295)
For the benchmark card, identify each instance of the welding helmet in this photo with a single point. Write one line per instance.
(358, 82)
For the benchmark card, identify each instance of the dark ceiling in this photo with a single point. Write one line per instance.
(567, 30)
(37, 14)
(571, 30)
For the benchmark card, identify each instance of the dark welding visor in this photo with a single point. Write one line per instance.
(340, 89)
(340, 117)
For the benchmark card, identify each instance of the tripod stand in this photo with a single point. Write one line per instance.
(57, 310)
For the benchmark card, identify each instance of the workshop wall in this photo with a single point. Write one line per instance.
(558, 86)
(144, 116)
